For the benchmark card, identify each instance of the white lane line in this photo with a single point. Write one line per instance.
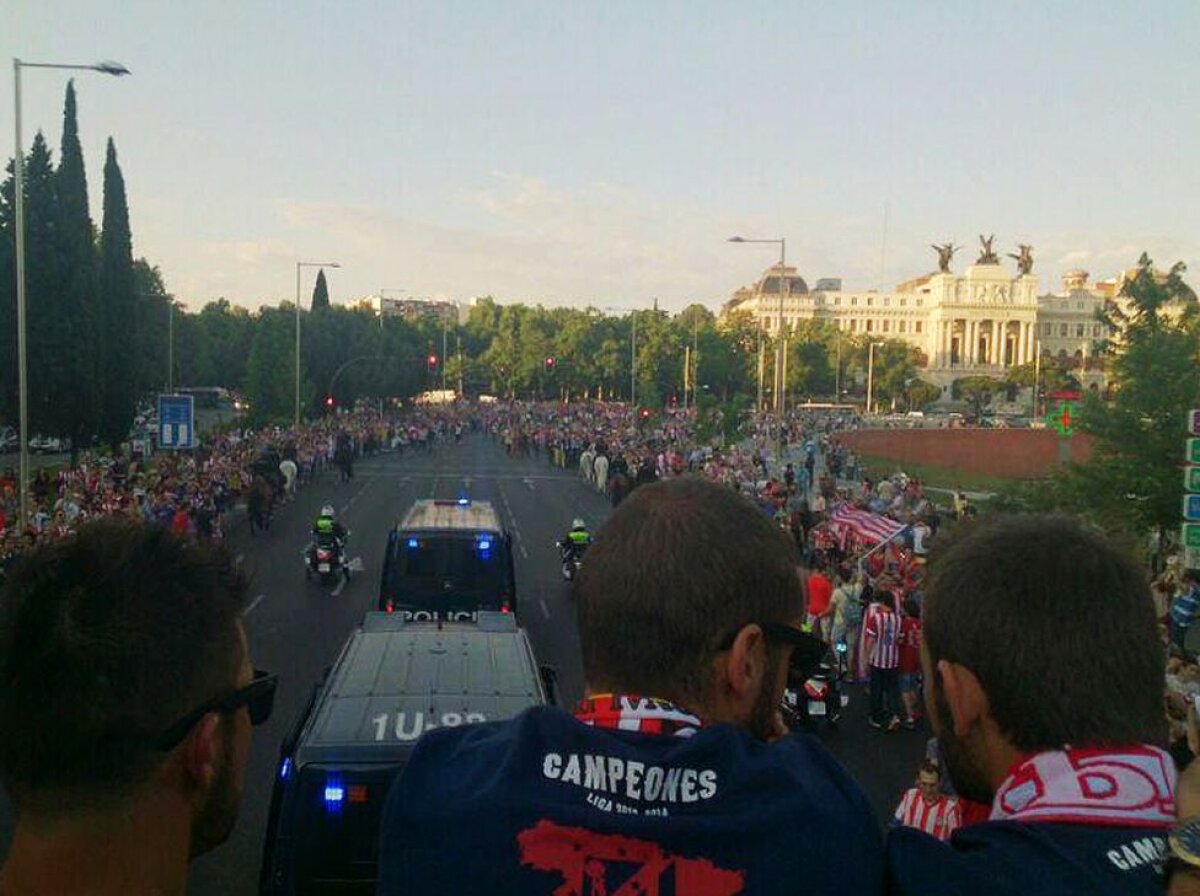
(528, 482)
(237, 561)
(545, 609)
(524, 553)
(254, 603)
(338, 590)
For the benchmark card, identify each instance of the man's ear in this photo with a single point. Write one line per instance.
(964, 695)
(201, 754)
(740, 669)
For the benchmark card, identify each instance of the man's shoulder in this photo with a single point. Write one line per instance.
(1004, 858)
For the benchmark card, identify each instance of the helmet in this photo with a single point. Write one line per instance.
(328, 511)
(578, 523)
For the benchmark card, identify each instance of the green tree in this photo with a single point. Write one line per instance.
(80, 403)
(270, 368)
(1132, 481)
(920, 393)
(49, 344)
(977, 391)
(320, 296)
(8, 303)
(152, 309)
(118, 318)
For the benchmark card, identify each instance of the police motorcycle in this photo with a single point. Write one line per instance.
(325, 556)
(812, 693)
(572, 547)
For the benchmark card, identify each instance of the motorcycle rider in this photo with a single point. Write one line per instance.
(326, 529)
(576, 541)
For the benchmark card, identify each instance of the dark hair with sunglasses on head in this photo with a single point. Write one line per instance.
(126, 702)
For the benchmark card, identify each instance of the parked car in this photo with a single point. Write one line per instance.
(9, 440)
(49, 445)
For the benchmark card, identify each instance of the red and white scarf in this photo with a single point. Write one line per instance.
(1124, 786)
(628, 712)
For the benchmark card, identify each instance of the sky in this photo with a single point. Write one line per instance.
(601, 153)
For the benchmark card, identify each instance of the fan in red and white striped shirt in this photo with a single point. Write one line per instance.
(926, 808)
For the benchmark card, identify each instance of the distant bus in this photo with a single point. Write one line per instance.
(212, 398)
(213, 405)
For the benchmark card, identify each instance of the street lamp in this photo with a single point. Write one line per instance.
(871, 371)
(784, 283)
(105, 68)
(633, 312)
(299, 265)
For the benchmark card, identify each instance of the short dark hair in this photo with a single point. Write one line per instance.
(930, 767)
(679, 566)
(1058, 625)
(106, 638)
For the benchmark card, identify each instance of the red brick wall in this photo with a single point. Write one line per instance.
(1013, 453)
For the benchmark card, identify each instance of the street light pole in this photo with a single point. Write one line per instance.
(106, 68)
(299, 265)
(871, 372)
(784, 283)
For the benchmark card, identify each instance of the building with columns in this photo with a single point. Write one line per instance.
(982, 321)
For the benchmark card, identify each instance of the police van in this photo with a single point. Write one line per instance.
(394, 680)
(446, 560)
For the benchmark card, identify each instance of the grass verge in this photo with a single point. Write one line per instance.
(935, 477)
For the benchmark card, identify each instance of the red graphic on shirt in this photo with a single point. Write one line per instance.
(594, 864)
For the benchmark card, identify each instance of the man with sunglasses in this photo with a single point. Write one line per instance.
(126, 703)
(675, 774)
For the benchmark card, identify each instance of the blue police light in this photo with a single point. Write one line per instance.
(464, 502)
(334, 793)
(285, 768)
(484, 545)
(413, 543)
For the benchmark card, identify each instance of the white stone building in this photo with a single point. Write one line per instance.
(981, 321)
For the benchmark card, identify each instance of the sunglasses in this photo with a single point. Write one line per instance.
(807, 655)
(258, 697)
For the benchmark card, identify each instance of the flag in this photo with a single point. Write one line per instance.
(870, 527)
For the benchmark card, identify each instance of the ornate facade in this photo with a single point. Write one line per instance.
(981, 321)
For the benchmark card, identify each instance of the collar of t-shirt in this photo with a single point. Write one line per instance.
(631, 712)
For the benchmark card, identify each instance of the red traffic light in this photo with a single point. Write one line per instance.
(549, 362)
(329, 401)
(432, 360)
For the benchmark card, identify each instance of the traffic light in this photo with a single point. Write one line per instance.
(328, 401)
(549, 363)
(432, 362)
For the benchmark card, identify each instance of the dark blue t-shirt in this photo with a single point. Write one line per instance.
(1004, 858)
(544, 804)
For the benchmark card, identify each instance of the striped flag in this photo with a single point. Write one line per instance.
(870, 527)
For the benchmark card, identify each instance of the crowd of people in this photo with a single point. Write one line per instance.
(1047, 771)
(195, 494)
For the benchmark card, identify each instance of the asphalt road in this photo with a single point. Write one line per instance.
(295, 628)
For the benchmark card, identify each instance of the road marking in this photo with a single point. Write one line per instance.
(254, 603)
(338, 590)
(545, 609)
(529, 482)
(524, 553)
(237, 561)
(356, 565)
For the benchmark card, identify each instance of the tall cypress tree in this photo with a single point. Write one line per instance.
(48, 348)
(77, 241)
(8, 303)
(118, 321)
(320, 297)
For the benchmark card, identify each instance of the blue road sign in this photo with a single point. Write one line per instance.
(176, 421)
